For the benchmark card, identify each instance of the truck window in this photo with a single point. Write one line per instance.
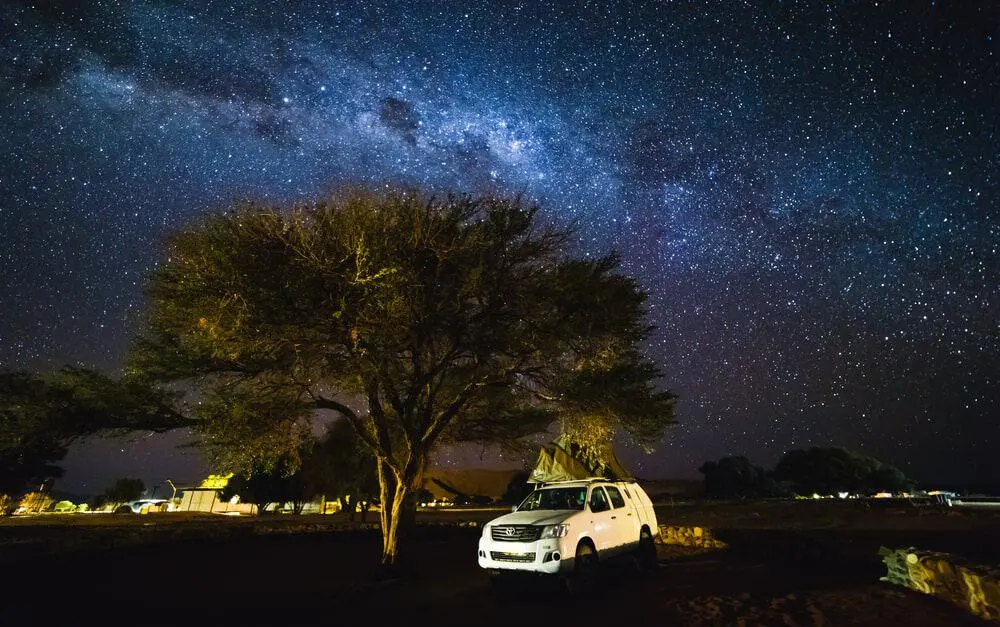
(598, 500)
(554, 498)
(615, 496)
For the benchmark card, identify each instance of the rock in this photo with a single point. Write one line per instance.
(973, 587)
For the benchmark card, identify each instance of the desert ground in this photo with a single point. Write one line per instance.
(787, 564)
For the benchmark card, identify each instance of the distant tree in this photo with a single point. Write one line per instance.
(250, 488)
(124, 490)
(342, 467)
(829, 470)
(42, 414)
(423, 495)
(888, 478)
(419, 320)
(265, 485)
(297, 492)
(737, 477)
(815, 470)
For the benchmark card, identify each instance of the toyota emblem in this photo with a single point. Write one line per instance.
(509, 531)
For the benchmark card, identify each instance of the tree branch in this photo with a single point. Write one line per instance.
(382, 436)
(352, 417)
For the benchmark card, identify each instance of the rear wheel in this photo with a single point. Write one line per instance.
(584, 576)
(647, 551)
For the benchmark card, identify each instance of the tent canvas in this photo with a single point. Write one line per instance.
(565, 460)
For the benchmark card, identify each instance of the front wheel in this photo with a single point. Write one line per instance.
(583, 578)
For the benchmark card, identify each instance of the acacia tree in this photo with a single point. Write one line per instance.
(420, 320)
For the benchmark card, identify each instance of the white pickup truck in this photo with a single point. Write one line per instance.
(567, 528)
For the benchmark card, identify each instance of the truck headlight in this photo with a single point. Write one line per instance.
(554, 531)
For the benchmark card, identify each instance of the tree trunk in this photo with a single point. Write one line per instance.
(349, 505)
(398, 513)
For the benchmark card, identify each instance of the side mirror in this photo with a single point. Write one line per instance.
(513, 508)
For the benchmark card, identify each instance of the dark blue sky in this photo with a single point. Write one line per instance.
(808, 191)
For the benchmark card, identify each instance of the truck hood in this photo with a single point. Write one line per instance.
(538, 517)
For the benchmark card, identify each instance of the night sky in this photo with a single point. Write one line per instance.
(807, 191)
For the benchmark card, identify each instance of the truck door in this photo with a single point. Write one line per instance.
(601, 521)
(625, 519)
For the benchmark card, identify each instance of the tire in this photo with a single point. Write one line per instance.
(583, 578)
(647, 552)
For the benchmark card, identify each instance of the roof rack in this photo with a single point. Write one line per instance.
(582, 480)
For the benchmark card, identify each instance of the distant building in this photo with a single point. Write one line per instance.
(205, 497)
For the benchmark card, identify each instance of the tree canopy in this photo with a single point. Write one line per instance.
(737, 477)
(42, 414)
(418, 319)
(816, 470)
(828, 470)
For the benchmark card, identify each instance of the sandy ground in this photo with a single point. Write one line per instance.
(159, 570)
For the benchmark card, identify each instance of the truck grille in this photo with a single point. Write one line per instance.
(516, 533)
(524, 558)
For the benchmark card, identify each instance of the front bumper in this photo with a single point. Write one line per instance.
(547, 556)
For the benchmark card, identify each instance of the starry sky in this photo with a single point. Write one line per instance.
(808, 191)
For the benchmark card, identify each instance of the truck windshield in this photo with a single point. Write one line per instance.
(554, 498)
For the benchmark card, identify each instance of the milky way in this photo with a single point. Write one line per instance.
(808, 191)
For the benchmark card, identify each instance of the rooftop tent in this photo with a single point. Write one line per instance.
(564, 460)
